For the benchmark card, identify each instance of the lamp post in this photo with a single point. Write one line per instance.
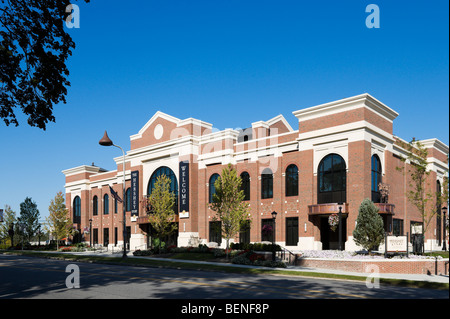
(444, 246)
(106, 141)
(340, 226)
(274, 216)
(90, 233)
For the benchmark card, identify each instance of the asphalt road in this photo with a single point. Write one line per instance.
(29, 277)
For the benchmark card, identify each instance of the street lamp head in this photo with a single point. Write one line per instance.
(444, 209)
(105, 141)
(274, 214)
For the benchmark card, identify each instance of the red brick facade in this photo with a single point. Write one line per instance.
(355, 129)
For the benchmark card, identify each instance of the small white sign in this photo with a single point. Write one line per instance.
(396, 243)
(184, 214)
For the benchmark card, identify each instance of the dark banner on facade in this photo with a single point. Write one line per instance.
(135, 193)
(184, 186)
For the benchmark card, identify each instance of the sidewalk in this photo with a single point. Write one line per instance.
(413, 277)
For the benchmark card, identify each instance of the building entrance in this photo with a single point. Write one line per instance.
(330, 238)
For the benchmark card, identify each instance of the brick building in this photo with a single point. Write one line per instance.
(339, 153)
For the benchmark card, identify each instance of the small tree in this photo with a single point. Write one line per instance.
(228, 204)
(58, 222)
(29, 218)
(369, 230)
(162, 214)
(419, 193)
(6, 227)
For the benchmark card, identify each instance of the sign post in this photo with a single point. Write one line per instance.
(396, 244)
(135, 193)
(184, 189)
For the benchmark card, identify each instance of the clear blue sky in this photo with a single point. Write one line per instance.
(229, 63)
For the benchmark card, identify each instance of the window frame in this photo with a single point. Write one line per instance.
(337, 176)
(291, 180)
(266, 183)
(212, 187)
(245, 185)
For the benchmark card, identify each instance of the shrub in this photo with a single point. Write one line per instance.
(219, 252)
(369, 230)
(249, 257)
(254, 246)
(146, 252)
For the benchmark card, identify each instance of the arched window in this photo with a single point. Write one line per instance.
(95, 206)
(128, 199)
(106, 204)
(245, 185)
(267, 183)
(376, 178)
(212, 188)
(164, 170)
(332, 180)
(292, 180)
(77, 210)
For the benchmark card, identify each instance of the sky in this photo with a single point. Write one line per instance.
(229, 63)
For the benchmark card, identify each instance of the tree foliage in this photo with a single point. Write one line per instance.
(420, 193)
(369, 230)
(58, 222)
(228, 203)
(162, 215)
(34, 48)
(29, 218)
(9, 219)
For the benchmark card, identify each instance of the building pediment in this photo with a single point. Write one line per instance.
(163, 127)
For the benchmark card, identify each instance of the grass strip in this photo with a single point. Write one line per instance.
(149, 262)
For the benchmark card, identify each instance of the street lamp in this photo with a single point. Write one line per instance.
(340, 226)
(444, 246)
(274, 216)
(90, 233)
(106, 141)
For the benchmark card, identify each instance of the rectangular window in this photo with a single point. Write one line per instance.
(292, 231)
(215, 232)
(95, 236)
(244, 232)
(397, 227)
(105, 237)
(267, 230)
(266, 186)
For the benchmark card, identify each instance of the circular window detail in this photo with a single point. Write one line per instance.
(159, 130)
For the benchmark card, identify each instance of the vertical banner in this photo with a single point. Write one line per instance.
(184, 189)
(135, 193)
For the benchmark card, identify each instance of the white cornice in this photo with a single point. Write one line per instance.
(221, 135)
(83, 169)
(347, 104)
(282, 119)
(435, 143)
(194, 122)
(267, 124)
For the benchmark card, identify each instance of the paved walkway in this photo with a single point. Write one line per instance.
(414, 277)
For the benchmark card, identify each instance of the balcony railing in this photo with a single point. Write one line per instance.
(385, 208)
(324, 209)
